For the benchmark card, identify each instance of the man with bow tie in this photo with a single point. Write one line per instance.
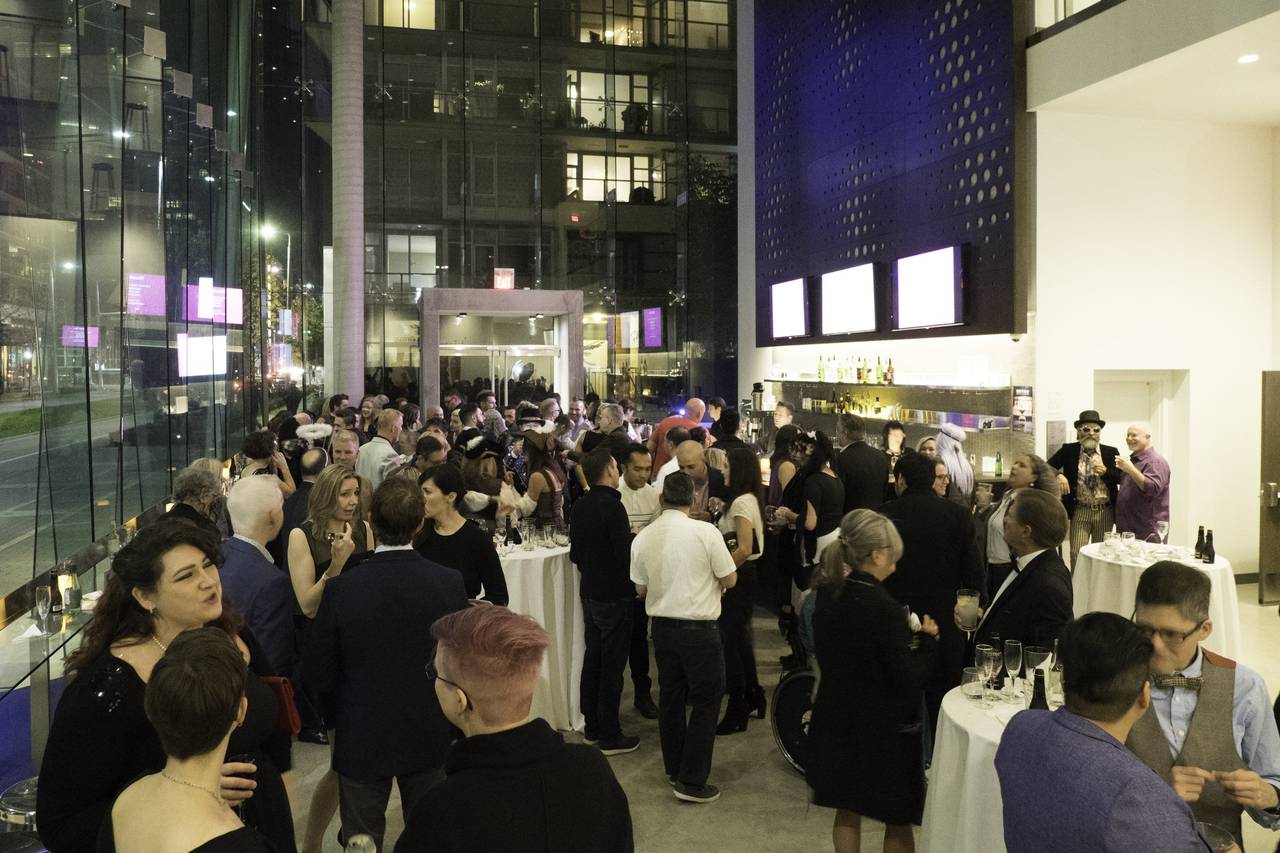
(1209, 731)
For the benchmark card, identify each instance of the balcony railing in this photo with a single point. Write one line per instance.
(1057, 15)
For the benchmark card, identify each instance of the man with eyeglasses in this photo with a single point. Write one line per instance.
(1209, 732)
(1088, 477)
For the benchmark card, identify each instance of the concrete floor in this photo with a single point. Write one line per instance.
(764, 807)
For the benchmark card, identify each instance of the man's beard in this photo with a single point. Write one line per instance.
(1089, 445)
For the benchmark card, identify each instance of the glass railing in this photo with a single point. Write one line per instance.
(1051, 12)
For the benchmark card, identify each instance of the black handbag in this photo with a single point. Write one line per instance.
(731, 542)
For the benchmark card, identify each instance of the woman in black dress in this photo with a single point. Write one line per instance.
(162, 583)
(456, 542)
(864, 735)
(195, 699)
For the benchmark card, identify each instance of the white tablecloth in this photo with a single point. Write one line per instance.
(1109, 584)
(544, 584)
(962, 812)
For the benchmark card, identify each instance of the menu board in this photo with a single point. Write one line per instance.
(210, 304)
(75, 336)
(144, 294)
(790, 303)
(928, 289)
(849, 300)
(652, 318)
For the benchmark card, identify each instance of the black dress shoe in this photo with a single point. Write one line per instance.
(732, 724)
(756, 701)
(314, 736)
(645, 706)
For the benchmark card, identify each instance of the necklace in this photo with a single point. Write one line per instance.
(177, 781)
(156, 640)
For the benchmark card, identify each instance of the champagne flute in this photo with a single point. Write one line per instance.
(1013, 665)
(967, 603)
(44, 600)
(985, 658)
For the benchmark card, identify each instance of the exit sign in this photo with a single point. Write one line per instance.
(504, 278)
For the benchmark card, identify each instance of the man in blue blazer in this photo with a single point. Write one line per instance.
(367, 660)
(250, 580)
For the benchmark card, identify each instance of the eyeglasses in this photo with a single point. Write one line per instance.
(1167, 636)
(433, 674)
(1091, 429)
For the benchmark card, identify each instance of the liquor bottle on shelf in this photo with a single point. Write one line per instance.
(999, 464)
(888, 373)
(1040, 693)
(1208, 555)
(859, 371)
(822, 369)
(876, 409)
(1199, 552)
(879, 372)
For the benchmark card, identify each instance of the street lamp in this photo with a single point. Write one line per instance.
(269, 232)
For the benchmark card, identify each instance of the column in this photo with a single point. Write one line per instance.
(345, 372)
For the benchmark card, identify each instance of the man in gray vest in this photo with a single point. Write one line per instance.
(1209, 730)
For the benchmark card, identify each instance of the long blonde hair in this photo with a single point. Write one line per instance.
(861, 532)
(323, 500)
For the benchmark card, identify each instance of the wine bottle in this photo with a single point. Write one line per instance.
(72, 596)
(859, 371)
(512, 535)
(999, 464)
(1208, 555)
(55, 593)
(879, 372)
(888, 373)
(1039, 694)
(1199, 552)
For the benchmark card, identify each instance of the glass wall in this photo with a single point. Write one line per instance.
(129, 260)
(562, 144)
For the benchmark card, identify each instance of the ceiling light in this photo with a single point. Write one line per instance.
(1248, 59)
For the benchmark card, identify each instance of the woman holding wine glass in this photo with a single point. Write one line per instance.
(865, 732)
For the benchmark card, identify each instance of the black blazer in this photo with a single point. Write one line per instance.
(521, 791)
(367, 657)
(864, 472)
(1035, 607)
(939, 554)
(1067, 461)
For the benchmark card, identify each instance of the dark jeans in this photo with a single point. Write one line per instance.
(608, 635)
(736, 609)
(690, 672)
(639, 661)
(363, 805)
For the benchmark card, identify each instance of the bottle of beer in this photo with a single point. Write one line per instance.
(1208, 554)
(55, 592)
(1040, 694)
(1199, 552)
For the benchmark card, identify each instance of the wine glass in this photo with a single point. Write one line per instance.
(1162, 530)
(967, 603)
(973, 685)
(44, 600)
(1036, 657)
(1013, 664)
(988, 658)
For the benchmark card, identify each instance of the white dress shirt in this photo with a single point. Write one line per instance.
(1018, 566)
(668, 467)
(679, 560)
(998, 552)
(643, 504)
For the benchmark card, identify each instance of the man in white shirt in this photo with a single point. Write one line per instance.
(643, 504)
(680, 568)
(374, 456)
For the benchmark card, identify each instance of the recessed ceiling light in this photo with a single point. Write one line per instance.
(1248, 59)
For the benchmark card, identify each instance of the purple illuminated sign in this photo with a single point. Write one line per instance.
(144, 294)
(652, 327)
(221, 305)
(74, 336)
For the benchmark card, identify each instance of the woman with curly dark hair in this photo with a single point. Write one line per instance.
(161, 584)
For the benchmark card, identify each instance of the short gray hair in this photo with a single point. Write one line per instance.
(251, 500)
(611, 412)
(196, 484)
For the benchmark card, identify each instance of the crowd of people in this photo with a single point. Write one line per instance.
(339, 581)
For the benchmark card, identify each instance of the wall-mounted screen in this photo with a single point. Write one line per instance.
(849, 300)
(790, 309)
(210, 304)
(201, 356)
(76, 336)
(629, 330)
(928, 289)
(652, 328)
(144, 295)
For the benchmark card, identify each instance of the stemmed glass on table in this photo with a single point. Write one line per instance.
(44, 600)
(1036, 657)
(1013, 664)
(1162, 530)
(989, 660)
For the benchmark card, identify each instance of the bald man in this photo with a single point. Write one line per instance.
(693, 412)
(1143, 498)
(708, 483)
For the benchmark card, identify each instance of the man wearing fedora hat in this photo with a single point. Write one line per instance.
(1088, 477)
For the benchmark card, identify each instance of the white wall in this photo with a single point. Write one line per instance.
(1156, 250)
(752, 362)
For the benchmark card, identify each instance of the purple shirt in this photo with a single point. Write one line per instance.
(1069, 787)
(1138, 508)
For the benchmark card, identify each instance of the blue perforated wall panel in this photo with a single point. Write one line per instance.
(886, 128)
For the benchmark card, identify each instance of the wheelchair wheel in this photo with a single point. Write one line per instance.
(792, 705)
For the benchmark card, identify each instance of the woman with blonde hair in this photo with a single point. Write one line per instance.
(865, 732)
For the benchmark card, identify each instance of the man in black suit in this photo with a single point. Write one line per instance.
(1034, 603)
(367, 660)
(863, 469)
(940, 556)
(1089, 478)
(295, 506)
